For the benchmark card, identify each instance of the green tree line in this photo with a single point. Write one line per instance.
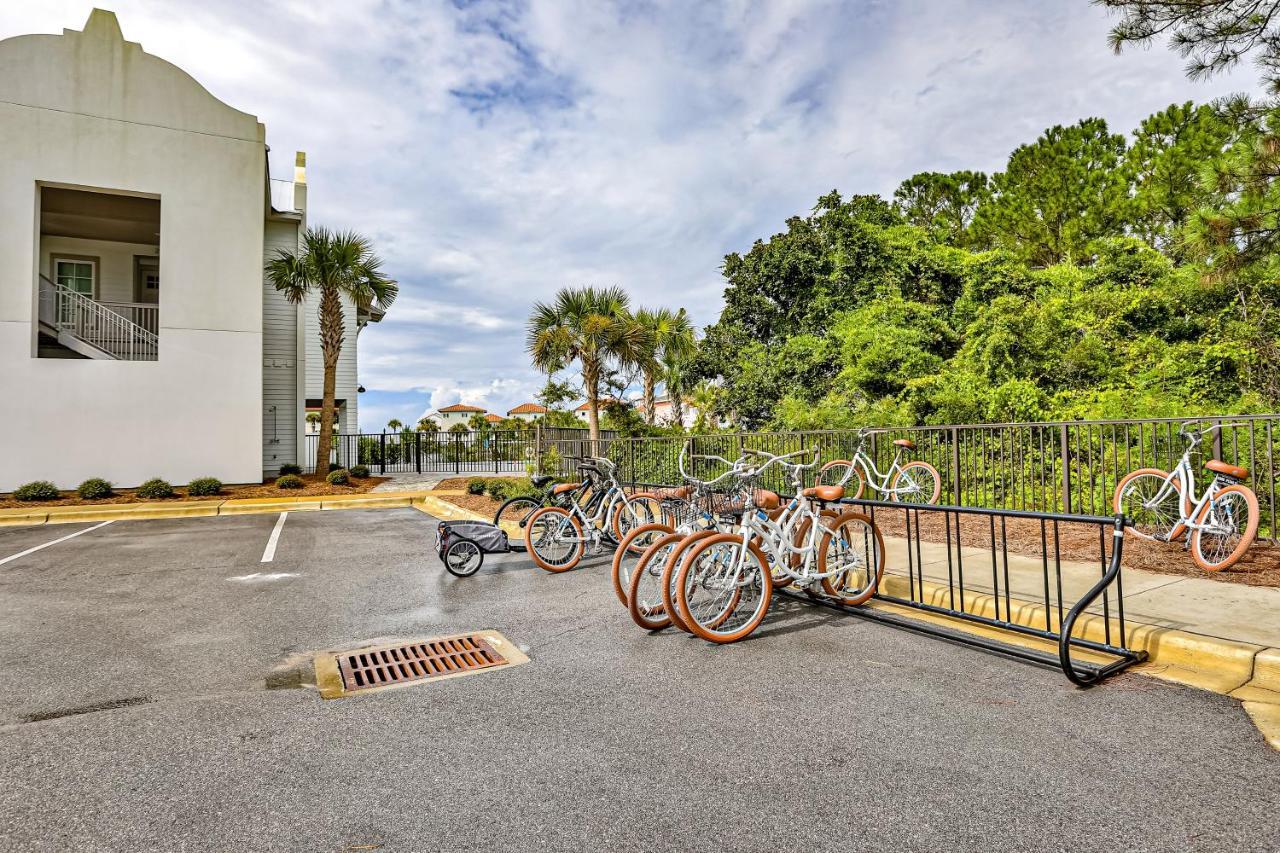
(1098, 275)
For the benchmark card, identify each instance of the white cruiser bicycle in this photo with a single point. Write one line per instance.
(1163, 505)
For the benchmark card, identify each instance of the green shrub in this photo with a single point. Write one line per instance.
(94, 489)
(202, 487)
(155, 488)
(496, 489)
(290, 468)
(40, 490)
(476, 485)
(359, 471)
(338, 477)
(289, 481)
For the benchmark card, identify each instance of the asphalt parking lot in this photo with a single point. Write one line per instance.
(148, 706)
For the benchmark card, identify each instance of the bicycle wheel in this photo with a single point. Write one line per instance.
(724, 589)
(852, 549)
(1148, 519)
(644, 594)
(672, 570)
(463, 558)
(639, 510)
(630, 550)
(554, 539)
(836, 471)
(1229, 524)
(515, 511)
(919, 484)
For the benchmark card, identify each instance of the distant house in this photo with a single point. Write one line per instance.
(492, 418)
(458, 413)
(527, 412)
(603, 402)
(663, 414)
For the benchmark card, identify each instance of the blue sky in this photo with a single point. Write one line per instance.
(496, 151)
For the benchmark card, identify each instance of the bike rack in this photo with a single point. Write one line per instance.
(954, 590)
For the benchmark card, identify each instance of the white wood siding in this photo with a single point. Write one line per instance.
(279, 360)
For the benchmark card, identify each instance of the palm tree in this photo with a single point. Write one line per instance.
(674, 379)
(671, 338)
(313, 419)
(705, 397)
(334, 265)
(592, 326)
(428, 425)
(394, 425)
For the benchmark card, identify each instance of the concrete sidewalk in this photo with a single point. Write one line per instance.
(1227, 611)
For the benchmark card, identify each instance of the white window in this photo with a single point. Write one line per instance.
(77, 274)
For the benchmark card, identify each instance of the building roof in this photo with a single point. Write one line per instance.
(528, 409)
(493, 419)
(461, 407)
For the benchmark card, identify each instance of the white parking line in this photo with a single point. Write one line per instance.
(54, 542)
(270, 553)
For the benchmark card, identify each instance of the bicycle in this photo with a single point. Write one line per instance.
(701, 511)
(913, 482)
(810, 548)
(1159, 505)
(557, 537)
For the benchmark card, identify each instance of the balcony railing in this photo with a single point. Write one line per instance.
(145, 314)
(92, 328)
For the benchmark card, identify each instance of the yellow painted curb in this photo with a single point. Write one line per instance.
(128, 512)
(22, 516)
(253, 506)
(363, 502)
(1266, 670)
(1266, 716)
(444, 509)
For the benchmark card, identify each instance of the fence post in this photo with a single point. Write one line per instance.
(956, 490)
(493, 447)
(417, 450)
(382, 453)
(1217, 442)
(457, 453)
(1064, 449)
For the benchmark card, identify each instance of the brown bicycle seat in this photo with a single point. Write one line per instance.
(564, 487)
(905, 442)
(824, 493)
(1235, 472)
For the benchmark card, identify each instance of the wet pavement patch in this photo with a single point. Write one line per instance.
(110, 705)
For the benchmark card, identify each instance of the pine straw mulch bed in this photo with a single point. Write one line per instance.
(312, 486)
(1259, 567)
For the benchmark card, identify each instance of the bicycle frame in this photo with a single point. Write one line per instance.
(1185, 475)
(871, 474)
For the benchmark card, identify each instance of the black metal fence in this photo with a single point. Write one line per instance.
(1068, 467)
(492, 452)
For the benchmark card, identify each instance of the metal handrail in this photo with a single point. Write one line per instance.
(92, 322)
(145, 314)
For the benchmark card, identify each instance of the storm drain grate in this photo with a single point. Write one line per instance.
(416, 661)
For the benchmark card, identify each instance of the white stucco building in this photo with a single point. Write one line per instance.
(138, 337)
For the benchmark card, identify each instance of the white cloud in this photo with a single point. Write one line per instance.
(501, 150)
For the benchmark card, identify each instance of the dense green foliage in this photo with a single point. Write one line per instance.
(94, 488)
(290, 468)
(155, 488)
(289, 481)
(1083, 281)
(360, 472)
(39, 490)
(338, 477)
(203, 487)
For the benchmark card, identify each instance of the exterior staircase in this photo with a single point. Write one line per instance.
(74, 326)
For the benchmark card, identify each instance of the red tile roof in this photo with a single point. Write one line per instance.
(493, 419)
(528, 409)
(461, 407)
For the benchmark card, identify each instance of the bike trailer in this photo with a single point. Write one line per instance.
(461, 545)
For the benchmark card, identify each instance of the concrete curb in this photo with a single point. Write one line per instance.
(195, 509)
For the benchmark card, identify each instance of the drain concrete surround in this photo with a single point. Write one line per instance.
(329, 675)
